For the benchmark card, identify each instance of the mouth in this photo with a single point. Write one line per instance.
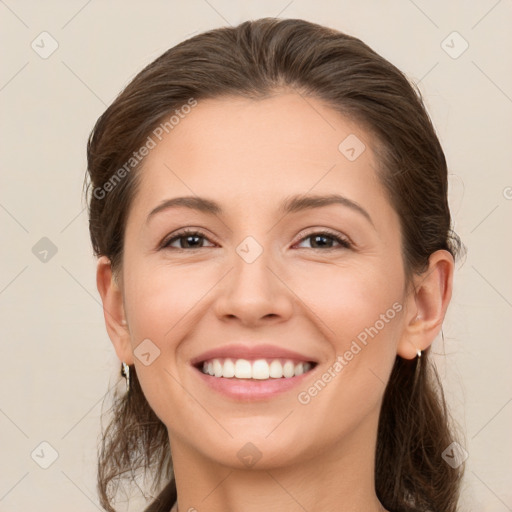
(256, 369)
(252, 372)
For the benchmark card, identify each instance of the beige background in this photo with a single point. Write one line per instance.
(56, 359)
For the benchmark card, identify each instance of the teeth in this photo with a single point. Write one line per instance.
(276, 369)
(217, 368)
(243, 369)
(260, 369)
(228, 370)
(288, 369)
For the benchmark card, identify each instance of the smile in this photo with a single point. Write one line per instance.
(253, 372)
(258, 369)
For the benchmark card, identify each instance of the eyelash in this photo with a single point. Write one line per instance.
(344, 243)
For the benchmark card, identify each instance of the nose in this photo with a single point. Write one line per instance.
(253, 293)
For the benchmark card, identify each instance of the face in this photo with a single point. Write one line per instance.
(296, 285)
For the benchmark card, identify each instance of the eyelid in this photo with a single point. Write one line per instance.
(307, 232)
(343, 240)
(183, 232)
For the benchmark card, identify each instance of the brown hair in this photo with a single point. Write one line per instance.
(254, 60)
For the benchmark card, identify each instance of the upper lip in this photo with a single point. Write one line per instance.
(251, 352)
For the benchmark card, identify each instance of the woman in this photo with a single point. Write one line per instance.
(269, 208)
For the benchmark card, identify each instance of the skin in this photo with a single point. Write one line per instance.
(249, 156)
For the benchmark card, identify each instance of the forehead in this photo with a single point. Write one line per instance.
(251, 153)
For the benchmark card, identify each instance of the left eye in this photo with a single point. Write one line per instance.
(319, 240)
(192, 240)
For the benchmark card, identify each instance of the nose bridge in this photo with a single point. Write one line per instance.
(253, 291)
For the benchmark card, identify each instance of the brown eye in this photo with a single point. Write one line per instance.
(188, 240)
(323, 240)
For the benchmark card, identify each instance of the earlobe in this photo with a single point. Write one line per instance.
(432, 294)
(113, 310)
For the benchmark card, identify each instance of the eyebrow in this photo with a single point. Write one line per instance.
(289, 205)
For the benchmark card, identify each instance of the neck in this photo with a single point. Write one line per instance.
(339, 479)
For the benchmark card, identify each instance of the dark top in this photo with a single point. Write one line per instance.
(165, 500)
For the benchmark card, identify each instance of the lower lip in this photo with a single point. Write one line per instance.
(252, 389)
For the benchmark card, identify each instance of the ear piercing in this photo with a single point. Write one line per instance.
(125, 372)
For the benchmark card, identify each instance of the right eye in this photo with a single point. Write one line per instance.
(190, 237)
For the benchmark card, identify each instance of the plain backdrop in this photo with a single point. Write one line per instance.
(57, 362)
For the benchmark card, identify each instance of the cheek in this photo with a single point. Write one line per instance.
(339, 303)
(342, 300)
(159, 299)
(360, 318)
(160, 304)
(348, 302)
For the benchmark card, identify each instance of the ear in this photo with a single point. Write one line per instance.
(427, 305)
(113, 310)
